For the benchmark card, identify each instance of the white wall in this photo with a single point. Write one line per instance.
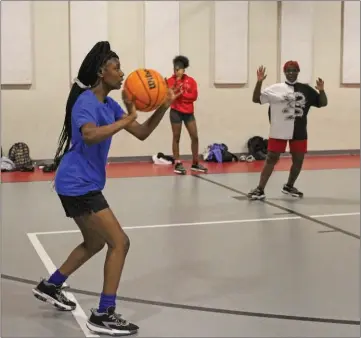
(225, 112)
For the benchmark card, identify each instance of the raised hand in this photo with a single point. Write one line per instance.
(261, 73)
(320, 85)
(173, 93)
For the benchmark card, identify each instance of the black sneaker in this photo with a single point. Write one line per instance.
(54, 295)
(198, 167)
(292, 191)
(110, 323)
(179, 169)
(256, 194)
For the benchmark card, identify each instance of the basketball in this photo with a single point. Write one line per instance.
(148, 87)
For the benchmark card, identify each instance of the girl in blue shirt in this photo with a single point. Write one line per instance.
(92, 118)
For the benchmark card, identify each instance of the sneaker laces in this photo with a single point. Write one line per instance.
(59, 292)
(118, 318)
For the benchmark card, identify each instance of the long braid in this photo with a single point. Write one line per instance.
(87, 75)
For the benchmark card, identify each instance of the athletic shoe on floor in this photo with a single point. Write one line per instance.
(198, 167)
(292, 191)
(179, 169)
(110, 323)
(54, 295)
(256, 194)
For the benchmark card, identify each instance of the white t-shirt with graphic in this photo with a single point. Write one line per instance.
(289, 106)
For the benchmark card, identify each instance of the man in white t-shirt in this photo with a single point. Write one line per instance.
(289, 104)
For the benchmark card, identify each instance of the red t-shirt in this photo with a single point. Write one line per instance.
(185, 102)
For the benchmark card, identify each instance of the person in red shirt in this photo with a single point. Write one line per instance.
(182, 111)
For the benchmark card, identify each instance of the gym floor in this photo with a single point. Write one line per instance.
(204, 261)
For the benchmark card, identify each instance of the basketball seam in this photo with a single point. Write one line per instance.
(132, 94)
(145, 88)
(165, 82)
(156, 100)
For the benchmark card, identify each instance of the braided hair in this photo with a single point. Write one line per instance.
(87, 78)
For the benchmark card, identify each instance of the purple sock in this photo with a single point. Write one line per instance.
(57, 278)
(105, 302)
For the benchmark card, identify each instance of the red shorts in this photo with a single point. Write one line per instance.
(279, 146)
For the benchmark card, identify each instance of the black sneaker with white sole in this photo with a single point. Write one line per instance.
(110, 323)
(54, 295)
(288, 190)
(256, 194)
(199, 168)
(179, 169)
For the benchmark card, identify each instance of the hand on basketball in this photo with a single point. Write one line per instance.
(320, 85)
(261, 73)
(126, 99)
(129, 103)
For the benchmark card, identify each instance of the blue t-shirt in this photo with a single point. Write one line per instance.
(82, 168)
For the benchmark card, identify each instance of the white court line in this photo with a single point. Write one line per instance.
(78, 313)
(251, 220)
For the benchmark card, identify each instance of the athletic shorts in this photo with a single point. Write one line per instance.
(178, 117)
(76, 206)
(279, 146)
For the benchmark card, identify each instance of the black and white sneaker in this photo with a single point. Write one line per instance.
(199, 168)
(292, 191)
(256, 194)
(179, 169)
(54, 295)
(110, 323)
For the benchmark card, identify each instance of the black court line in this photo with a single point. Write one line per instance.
(325, 224)
(200, 308)
(281, 213)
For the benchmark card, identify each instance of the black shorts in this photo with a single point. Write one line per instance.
(178, 117)
(76, 206)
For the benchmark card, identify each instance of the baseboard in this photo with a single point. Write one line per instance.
(128, 159)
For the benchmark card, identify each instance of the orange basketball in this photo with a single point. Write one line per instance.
(148, 87)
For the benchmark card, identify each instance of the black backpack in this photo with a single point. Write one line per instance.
(257, 147)
(19, 153)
